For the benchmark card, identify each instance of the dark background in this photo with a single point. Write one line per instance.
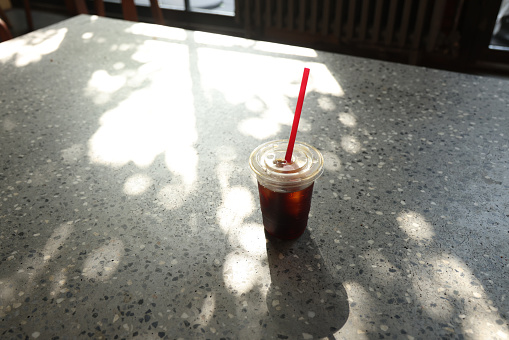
(453, 34)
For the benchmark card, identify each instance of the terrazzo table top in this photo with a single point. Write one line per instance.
(127, 207)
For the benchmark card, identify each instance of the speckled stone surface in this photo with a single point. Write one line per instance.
(127, 207)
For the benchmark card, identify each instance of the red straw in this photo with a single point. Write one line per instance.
(296, 117)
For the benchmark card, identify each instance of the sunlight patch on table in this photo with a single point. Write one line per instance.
(157, 119)
(416, 226)
(119, 65)
(273, 112)
(350, 144)
(101, 85)
(158, 32)
(32, 47)
(102, 262)
(137, 184)
(9, 124)
(255, 105)
(136, 132)
(242, 273)
(212, 64)
(378, 263)
(120, 47)
(331, 161)
(127, 135)
(238, 203)
(347, 119)
(8, 289)
(156, 116)
(207, 38)
(484, 326)
(279, 76)
(322, 81)
(270, 86)
(156, 52)
(259, 128)
(57, 239)
(478, 313)
(31, 268)
(263, 46)
(58, 282)
(326, 103)
(226, 154)
(361, 299)
(87, 35)
(174, 195)
(207, 310)
(452, 291)
(226, 167)
(266, 46)
(427, 290)
(252, 238)
(102, 81)
(183, 161)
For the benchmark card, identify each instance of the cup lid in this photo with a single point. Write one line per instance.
(268, 163)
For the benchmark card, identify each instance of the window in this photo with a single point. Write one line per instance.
(500, 36)
(220, 7)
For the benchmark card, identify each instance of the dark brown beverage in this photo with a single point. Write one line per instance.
(285, 187)
(285, 215)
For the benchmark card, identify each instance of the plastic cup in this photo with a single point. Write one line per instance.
(285, 188)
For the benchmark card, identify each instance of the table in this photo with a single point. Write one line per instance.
(127, 207)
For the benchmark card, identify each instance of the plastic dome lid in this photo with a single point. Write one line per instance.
(268, 163)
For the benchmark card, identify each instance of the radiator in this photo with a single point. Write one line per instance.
(406, 25)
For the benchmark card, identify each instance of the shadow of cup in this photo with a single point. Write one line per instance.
(304, 299)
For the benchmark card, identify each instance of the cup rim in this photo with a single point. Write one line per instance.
(290, 180)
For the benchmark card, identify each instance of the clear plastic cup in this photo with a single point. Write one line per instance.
(285, 188)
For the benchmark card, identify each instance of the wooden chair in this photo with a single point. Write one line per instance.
(4, 17)
(28, 15)
(128, 10)
(5, 33)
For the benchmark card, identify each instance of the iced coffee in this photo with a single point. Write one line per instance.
(285, 188)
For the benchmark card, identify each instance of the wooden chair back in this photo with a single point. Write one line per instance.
(5, 33)
(6, 26)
